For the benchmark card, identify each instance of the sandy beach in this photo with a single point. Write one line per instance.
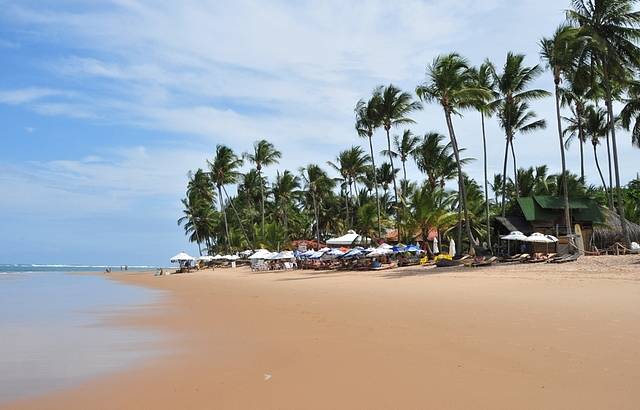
(518, 336)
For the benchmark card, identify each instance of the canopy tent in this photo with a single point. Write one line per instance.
(350, 239)
(182, 257)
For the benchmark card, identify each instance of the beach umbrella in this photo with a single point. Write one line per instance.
(260, 254)
(205, 258)
(385, 246)
(182, 257)
(537, 237)
(552, 238)
(515, 236)
(452, 248)
(435, 246)
(412, 248)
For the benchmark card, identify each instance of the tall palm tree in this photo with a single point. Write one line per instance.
(264, 154)
(631, 112)
(367, 120)
(512, 88)
(483, 78)
(560, 52)
(394, 107)
(352, 166)
(449, 83)
(435, 158)
(595, 128)
(612, 28)
(225, 170)
(317, 183)
(403, 147)
(285, 190)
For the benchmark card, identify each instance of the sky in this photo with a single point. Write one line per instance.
(106, 105)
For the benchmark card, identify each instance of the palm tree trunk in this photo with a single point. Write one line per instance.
(515, 170)
(504, 176)
(195, 230)
(261, 201)
(486, 182)
(395, 187)
(404, 175)
(375, 184)
(595, 156)
(346, 196)
(462, 191)
(565, 189)
(616, 167)
(610, 189)
(224, 214)
(580, 137)
(235, 211)
(315, 212)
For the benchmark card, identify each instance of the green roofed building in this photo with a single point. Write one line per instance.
(545, 214)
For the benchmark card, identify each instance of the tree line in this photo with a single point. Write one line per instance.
(592, 59)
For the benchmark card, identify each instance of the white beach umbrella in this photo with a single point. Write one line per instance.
(537, 237)
(514, 236)
(552, 238)
(261, 254)
(206, 258)
(452, 248)
(182, 257)
(435, 246)
(385, 246)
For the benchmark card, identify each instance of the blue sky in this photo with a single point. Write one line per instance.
(105, 105)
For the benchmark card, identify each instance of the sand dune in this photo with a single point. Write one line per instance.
(523, 336)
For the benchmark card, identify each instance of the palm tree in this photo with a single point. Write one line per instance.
(483, 78)
(393, 108)
(560, 53)
(631, 112)
(403, 147)
(264, 154)
(317, 183)
(449, 83)
(611, 27)
(352, 166)
(436, 159)
(367, 120)
(430, 210)
(285, 190)
(595, 128)
(511, 86)
(224, 171)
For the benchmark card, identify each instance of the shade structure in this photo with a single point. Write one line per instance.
(284, 255)
(385, 246)
(435, 246)
(350, 239)
(231, 257)
(379, 252)
(261, 254)
(353, 253)
(452, 248)
(398, 248)
(206, 258)
(412, 248)
(514, 236)
(553, 238)
(182, 257)
(537, 237)
(307, 253)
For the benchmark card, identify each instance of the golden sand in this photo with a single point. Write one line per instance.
(508, 337)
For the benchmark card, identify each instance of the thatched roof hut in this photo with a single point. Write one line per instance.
(609, 232)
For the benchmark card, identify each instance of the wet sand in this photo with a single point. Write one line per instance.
(520, 336)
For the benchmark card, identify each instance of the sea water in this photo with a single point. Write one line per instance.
(53, 332)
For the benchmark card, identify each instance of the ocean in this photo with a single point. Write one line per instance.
(53, 332)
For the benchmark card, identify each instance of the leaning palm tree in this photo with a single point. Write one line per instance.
(264, 154)
(612, 30)
(450, 84)
(483, 78)
(367, 120)
(512, 88)
(393, 109)
(224, 171)
(560, 52)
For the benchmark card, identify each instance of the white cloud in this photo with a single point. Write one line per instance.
(27, 95)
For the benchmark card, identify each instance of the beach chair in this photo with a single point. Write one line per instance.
(485, 262)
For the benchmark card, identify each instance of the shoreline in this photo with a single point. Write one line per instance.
(504, 337)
